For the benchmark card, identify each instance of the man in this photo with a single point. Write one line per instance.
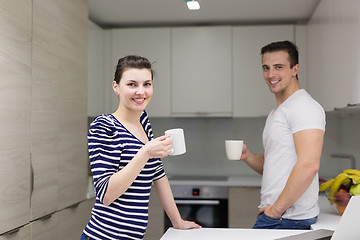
(293, 139)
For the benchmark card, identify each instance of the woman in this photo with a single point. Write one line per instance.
(125, 160)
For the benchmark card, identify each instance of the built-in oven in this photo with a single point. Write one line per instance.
(204, 204)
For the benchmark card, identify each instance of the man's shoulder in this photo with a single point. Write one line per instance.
(303, 101)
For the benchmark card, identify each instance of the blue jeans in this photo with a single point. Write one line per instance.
(265, 222)
(84, 237)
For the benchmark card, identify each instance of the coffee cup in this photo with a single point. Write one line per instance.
(178, 141)
(234, 149)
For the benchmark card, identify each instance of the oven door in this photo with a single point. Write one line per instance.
(209, 213)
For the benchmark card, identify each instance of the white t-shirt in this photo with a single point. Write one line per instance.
(298, 112)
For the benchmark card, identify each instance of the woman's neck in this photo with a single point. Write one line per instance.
(124, 115)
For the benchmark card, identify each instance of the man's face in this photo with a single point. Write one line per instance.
(277, 72)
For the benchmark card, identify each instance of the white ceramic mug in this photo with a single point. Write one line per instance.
(234, 149)
(178, 141)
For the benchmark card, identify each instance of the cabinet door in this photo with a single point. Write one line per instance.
(154, 44)
(251, 95)
(243, 206)
(15, 89)
(71, 85)
(44, 228)
(333, 62)
(44, 107)
(201, 71)
(59, 110)
(72, 220)
(22, 233)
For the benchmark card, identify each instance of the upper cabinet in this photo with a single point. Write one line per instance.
(15, 95)
(43, 126)
(333, 58)
(201, 71)
(251, 95)
(212, 71)
(154, 44)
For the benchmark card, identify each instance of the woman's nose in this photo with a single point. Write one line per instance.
(140, 90)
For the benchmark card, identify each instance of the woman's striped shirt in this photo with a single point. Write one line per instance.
(112, 147)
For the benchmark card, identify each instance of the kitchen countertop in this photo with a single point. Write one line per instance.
(228, 234)
(328, 219)
(229, 181)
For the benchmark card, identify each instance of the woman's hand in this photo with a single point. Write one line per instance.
(186, 225)
(159, 147)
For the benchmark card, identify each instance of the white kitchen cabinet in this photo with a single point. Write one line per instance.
(201, 71)
(243, 206)
(251, 95)
(333, 61)
(15, 93)
(154, 44)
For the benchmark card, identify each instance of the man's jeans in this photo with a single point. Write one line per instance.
(265, 222)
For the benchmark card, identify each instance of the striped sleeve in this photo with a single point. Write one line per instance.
(159, 172)
(104, 153)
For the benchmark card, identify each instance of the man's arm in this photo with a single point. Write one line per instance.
(308, 146)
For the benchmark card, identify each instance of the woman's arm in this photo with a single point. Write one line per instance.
(163, 189)
(120, 181)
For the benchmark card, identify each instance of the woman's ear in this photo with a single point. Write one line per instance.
(115, 87)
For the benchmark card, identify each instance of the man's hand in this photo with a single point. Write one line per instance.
(270, 211)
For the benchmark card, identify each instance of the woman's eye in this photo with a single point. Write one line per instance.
(131, 84)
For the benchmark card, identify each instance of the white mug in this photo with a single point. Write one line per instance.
(234, 149)
(178, 141)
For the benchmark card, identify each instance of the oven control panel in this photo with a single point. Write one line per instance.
(210, 192)
(196, 191)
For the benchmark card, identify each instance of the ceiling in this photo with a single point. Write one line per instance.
(143, 13)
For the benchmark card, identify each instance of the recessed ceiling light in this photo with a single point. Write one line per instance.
(193, 5)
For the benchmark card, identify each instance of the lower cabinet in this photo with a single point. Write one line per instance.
(243, 206)
(65, 224)
(155, 227)
(72, 220)
(23, 233)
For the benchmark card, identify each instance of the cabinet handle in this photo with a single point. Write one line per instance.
(31, 176)
(46, 216)
(12, 231)
(75, 205)
(353, 105)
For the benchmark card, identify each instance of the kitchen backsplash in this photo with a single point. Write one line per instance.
(205, 145)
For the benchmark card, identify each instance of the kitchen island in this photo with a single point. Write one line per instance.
(228, 234)
(328, 219)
